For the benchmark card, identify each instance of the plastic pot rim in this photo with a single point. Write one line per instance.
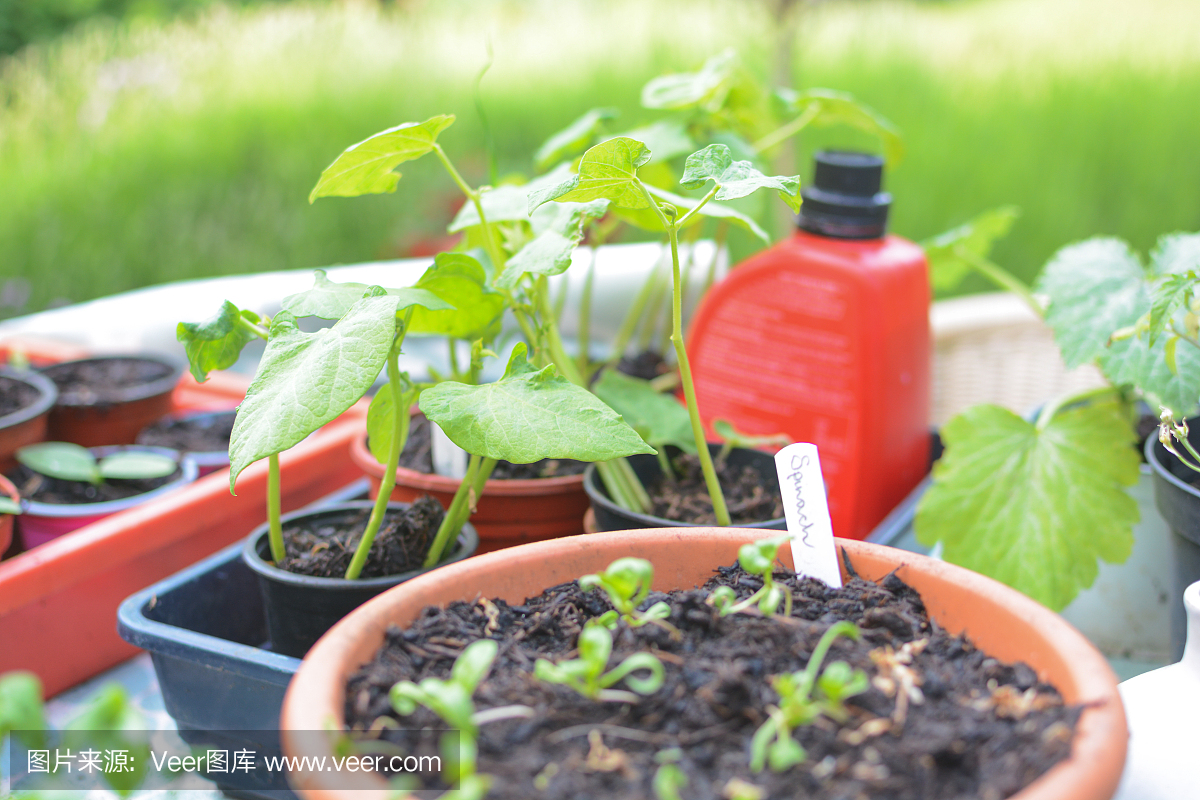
(432, 482)
(48, 396)
(203, 458)
(596, 493)
(187, 466)
(466, 543)
(128, 394)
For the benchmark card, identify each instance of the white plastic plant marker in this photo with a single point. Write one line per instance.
(806, 510)
(449, 459)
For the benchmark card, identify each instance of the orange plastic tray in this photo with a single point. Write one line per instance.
(58, 602)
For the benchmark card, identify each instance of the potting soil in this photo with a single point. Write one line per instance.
(940, 718)
(418, 455)
(104, 380)
(207, 434)
(44, 489)
(685, 499)
(15, 395)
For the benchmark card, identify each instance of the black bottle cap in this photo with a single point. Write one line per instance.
(844, 200)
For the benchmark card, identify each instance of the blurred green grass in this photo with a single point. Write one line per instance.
(146, 152)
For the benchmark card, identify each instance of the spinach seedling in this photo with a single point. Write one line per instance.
(586, 674)
(452, 701)
(669, 779)
(756, 558)
(9, 506)
(627, 582)
(70, 462)
(803, 696)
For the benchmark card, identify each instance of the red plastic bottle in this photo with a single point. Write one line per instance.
(825, 337)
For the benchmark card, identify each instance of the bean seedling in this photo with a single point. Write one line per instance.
(452, 701)
(586, 674)
(803, 696)
(627, 583)
(70, 462)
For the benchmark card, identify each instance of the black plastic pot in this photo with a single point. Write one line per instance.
(611, 517)
(207, 460)
(300, 608)
(1179, 503)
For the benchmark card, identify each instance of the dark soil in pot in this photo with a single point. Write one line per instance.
(685, 499)
(646, 365)
(418, 456)
(44, 489)
(970, 727)
(16, 394)
(199, 433)
(104, 380)
(323, 547)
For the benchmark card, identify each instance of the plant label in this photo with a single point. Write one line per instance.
(449, 459)
(807, 513)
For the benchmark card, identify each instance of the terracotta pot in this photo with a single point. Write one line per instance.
(116, 419)
(6, 520)
(608, 516)
(509, 513)
(25, 425)
(1000, 620)
(300, 608)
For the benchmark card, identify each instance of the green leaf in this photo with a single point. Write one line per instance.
(1176, 253)
(380, 424)
(666, 139)
(735, 178)
(136, 465)
(528, 415)
(62, 460)
(658, 417)
(840, 108)
(574, 138)
(550, 251)
(473, 664)
(947, 264)
(330, 300)
(21, 704)
(501, 204)
(1168, 296)
(459, 280)
(1095, 287)
(216, 343)
(307, 379)
(1034, 509)
(647, 220)
(607, 171)
(1134, 361)
(367, 167)
(8, 505)
(706, 88)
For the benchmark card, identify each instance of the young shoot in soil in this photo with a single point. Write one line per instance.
(756, 558)
(452, 701)
(627, 583)
(803, 696)
(70, 462)
(586, 674)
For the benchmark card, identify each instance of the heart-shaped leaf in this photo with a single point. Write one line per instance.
(945, 252)
(705, 88)
(607, 171)
(307, 379)
(1033, 508)
(550, 251)
(62, 460)
(735, 178)
(460, 281)
(330, 300)
(216, 343)
(574, 138)
(839, 108)
(530, 414)
(658, 417)
(367, 167)
(647, 220)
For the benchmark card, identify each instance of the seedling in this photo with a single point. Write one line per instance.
(452, 701)
(803, 696)
(9, 506)
(586, 674)
(756, 558)
(70, 462)
(1009, 486)
(627, 582)
(669, 779)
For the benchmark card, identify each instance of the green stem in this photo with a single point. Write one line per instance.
(274, 526)
(683, 289)
(554, 346)
(664, 464)
(720, 510)
(584, 335)
(479, 469)
(400, 420)
(1054, 406)
(785, 132)
(640, 498)
(623, 486)
(489, 236)
(453, 359)
(251, 328)
(1002, 278)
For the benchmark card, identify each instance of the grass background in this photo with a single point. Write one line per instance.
(144, 151)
